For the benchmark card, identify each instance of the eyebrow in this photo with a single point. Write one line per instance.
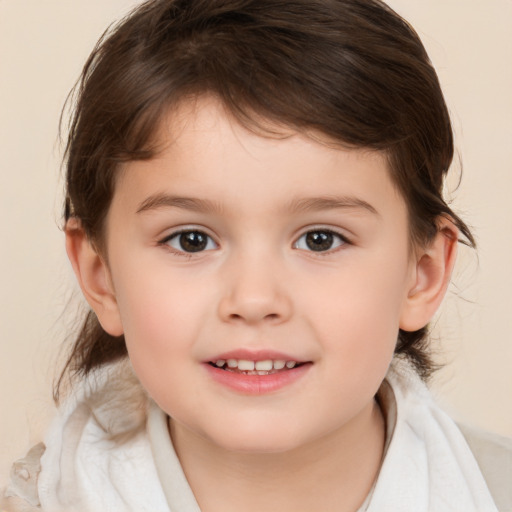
(158, 201)
(330, 203)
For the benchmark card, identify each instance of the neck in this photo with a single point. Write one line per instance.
(335, 472)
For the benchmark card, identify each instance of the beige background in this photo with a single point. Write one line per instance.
(43, 44)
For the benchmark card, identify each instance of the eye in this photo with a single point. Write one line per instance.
(320, 240)
(190, 241)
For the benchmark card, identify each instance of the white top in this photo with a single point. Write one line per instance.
(427, 464)
(110, 449)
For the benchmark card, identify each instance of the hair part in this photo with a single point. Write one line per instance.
(352, 70)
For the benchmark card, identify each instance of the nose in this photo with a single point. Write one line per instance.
(255, 291)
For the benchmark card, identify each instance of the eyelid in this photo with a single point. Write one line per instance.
(184, 228)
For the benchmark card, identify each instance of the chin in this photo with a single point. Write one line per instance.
(261, 448)
(263, 440)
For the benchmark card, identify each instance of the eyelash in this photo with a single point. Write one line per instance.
(342, 241)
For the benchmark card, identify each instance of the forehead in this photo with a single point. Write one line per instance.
(203, 150)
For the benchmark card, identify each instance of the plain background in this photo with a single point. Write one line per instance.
(43, 45)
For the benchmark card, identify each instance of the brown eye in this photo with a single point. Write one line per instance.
(319, 241)
(191, 241)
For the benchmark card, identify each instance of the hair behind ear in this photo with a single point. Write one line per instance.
(93, 347)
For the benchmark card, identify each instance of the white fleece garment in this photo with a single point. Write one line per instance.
(98, 456)
(428, 466)
(99, 453)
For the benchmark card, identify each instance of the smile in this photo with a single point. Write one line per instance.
(248, 367)
(252, 374)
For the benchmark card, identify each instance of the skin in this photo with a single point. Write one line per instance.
(316, 443)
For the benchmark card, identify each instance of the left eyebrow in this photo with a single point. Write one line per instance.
(158, 201)
(330, 203)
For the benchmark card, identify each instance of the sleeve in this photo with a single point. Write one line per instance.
(493, 454)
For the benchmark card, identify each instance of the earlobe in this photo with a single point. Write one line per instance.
(432, 272)
(93, 277)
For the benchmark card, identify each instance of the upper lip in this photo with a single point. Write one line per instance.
(255, 355)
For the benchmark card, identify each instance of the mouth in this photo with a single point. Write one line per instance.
(256, 372)
(261, 367)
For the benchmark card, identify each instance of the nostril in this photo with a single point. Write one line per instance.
(250, 317)
(270, 316)
(252, 309)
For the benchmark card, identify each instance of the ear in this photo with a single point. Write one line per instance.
(430, 277)
(93, 277)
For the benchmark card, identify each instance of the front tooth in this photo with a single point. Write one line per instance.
(232, 363)
(245, 365)
(264, 365)
(220, 363)
(290, 364)
(279, 365)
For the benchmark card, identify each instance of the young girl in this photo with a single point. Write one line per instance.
(254, 213)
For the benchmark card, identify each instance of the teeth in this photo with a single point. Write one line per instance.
(261, 367)
(244, 365)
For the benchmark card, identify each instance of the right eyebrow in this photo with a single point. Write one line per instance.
(158, 201)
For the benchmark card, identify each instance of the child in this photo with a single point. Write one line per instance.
(254, 214)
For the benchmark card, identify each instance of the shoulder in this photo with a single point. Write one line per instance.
(15, 504)
(22, 495)
(493, 454)
(100, 432)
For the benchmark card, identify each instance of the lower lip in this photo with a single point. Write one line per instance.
(257, 384)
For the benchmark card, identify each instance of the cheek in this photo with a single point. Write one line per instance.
(161, 317)
(369, 293)
(359, 311)
(160, 325)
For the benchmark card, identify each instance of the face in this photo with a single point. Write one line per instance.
(260, 282)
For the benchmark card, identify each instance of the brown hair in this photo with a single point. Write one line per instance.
(351, 69)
